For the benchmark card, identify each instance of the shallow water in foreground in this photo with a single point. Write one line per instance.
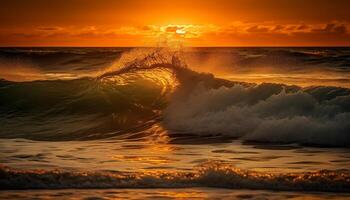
(163, 153)
(180, 193)
(159, 161)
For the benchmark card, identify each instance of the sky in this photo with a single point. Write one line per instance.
(189, 22)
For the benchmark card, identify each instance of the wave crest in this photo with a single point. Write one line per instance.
(208, 175)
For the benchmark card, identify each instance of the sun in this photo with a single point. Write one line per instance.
(180, 31)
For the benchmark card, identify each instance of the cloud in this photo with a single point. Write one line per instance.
(257, 29)
(332, 28)
(278, 28)
(302, 27)
(172, 29)
(236, 33)
(49, 28)
(271, 28)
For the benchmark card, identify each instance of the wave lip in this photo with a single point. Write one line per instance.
(217, 175)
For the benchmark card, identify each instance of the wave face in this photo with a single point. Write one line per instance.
(207, 175)
(80, 109)
(156, 86)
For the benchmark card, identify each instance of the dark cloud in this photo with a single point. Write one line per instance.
(172, 29)
(302, 27)
(332, 28)
(146, 28)
(25, 35)
(257, 29)
(53, 28)
(340, 29)
(278, 28)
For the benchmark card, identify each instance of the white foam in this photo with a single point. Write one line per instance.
(217, 175)
(265, 113)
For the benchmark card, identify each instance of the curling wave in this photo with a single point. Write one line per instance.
(157, 86)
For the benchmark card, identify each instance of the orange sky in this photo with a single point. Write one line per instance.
(191, 22)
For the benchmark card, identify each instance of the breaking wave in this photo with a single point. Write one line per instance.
(156, 86)
(217, 175)
(265, 113)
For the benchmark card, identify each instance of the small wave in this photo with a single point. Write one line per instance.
(217, 175)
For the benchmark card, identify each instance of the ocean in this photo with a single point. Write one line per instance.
(175, 123)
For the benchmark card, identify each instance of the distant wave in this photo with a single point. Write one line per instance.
(217, 175)
(156, 86)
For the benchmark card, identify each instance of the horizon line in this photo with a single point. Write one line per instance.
(249, 46)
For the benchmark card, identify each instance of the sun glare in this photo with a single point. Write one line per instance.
(181, 31)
